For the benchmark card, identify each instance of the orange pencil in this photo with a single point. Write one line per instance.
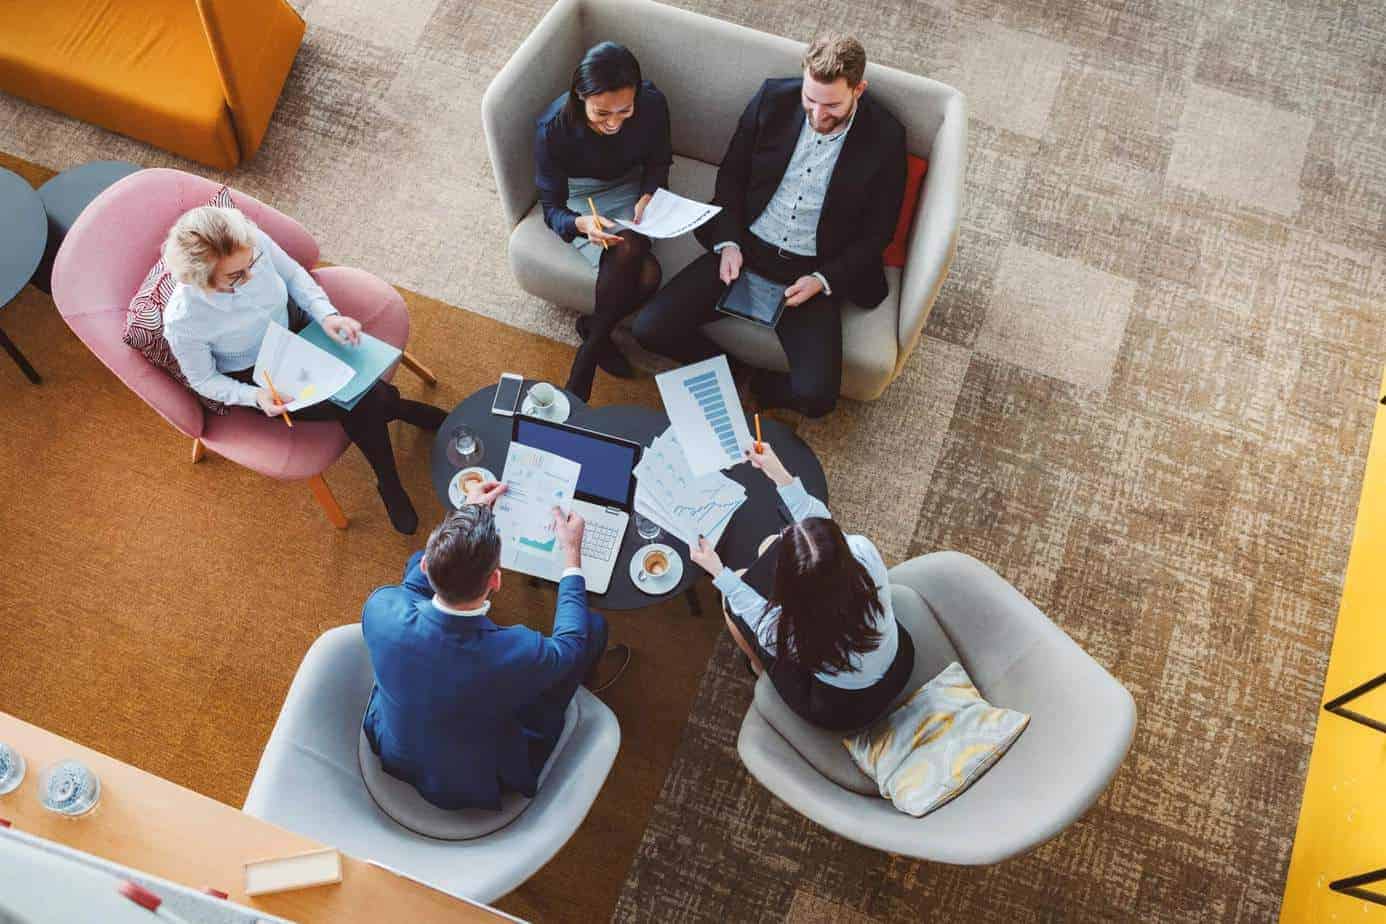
(275, 395)
(760, 447)
(597, 218)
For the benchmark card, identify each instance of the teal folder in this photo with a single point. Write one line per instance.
(370, 358)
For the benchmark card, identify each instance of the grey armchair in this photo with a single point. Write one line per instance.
(709, 69)
(957, 609)
(310, 781)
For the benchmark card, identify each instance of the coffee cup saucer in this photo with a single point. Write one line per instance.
(558, 412)
(656, 586)
(458, 494)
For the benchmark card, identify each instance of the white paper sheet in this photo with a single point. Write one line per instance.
(535, 481)
(307, 372)
(667, 492)
(705, 412)
(669, 215)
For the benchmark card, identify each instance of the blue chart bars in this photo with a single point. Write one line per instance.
(704, 390)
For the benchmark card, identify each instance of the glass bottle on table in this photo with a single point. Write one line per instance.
(12, 769)
(69, 787)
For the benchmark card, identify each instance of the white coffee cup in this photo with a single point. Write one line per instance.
(543, 395)
(654, 564)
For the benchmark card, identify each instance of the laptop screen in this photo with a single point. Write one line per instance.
(607, 462)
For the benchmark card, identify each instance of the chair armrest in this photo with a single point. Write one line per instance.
(101, 332)
(990, 623)
(935, 230)
(369, 299)
(536, 73)
(253, 43)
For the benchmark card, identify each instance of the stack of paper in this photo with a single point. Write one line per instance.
(299, 369)
(705, 411)
(684, 504)
(369, 358)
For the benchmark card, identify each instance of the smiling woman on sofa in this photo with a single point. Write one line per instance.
(604, 146)
(233, 282)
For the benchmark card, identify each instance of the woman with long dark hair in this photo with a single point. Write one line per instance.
(828, 634)
(607, 140)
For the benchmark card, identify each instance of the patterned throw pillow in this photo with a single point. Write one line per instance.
(144, 318)
(935, 744)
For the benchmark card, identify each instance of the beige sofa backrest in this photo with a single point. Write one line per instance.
(709, 69)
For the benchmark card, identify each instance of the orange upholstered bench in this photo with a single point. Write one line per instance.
(199, 78)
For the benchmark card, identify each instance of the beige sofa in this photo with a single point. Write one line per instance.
(709, 69)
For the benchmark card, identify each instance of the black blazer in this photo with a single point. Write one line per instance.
(863, 200)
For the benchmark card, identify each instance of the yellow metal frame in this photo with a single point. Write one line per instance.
(1342, 818)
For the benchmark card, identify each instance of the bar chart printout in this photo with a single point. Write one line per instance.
(706, 414)
(704, 390)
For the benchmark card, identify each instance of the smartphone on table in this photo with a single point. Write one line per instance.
(507, 394)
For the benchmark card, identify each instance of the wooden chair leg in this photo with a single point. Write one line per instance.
(198, 452)
(418, 368)
(328, 503)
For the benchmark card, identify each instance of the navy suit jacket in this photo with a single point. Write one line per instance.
(454, 707)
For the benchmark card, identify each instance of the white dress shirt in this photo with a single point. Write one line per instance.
(213, 333)
(744, 601)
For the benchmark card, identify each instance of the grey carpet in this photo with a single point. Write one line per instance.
(1143, 397)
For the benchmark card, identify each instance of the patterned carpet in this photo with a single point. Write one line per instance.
(1143, 397)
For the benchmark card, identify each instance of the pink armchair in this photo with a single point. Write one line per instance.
(104, 259)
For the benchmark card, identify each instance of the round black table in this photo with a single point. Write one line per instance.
(761, 514)
(65, 196)
(23, 232)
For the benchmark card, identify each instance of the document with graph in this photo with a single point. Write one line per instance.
(535, 482)
(298, 368)
(706, 414)
(684, 504)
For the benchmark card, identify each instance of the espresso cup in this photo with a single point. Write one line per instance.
(471, 480)
(543, 395)
(654, 565)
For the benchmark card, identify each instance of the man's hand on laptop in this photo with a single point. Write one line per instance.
(569, 529)
(485, 493)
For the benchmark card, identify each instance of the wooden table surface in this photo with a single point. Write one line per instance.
(158, 827)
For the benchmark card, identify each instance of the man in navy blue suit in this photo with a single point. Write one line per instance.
(464, 709)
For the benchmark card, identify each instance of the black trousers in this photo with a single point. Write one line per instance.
(811, 334)
(365, 424)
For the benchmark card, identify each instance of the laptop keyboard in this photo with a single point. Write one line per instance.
(600, 542)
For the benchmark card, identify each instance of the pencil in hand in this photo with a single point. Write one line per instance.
(277, 400)
(597, 218)
(760, 447)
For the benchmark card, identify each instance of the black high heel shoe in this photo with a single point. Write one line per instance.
(400, 509)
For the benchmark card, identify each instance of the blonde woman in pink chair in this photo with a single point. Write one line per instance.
(233, 282)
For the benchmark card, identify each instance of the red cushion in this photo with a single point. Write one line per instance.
(914, 183)
(144, 318)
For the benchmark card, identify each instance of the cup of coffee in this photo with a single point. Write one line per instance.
(654, 564)
(543, 395)
(471, 481)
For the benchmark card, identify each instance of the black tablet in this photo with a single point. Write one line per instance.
(753, 298)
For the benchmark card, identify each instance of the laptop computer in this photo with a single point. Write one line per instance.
(604, 497)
